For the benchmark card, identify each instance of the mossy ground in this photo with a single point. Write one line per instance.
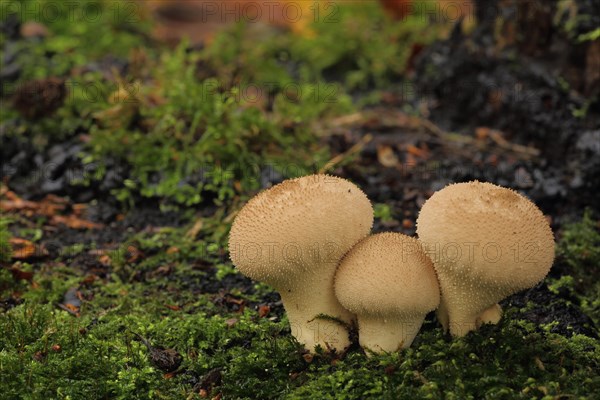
(173, 125)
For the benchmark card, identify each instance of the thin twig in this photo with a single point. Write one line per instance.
(357, 147)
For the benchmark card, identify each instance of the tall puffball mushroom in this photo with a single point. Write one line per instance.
(292, 237)
(388, 281)
(487, 242)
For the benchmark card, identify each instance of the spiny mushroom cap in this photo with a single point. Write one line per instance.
(297, 227)
(486, 233)
(387, 274)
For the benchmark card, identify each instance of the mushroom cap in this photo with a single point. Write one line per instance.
(486, 233)
(387, 274)
(299, 226)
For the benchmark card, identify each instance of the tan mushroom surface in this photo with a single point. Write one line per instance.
(390, 284)
(486, 242)
(292, 237)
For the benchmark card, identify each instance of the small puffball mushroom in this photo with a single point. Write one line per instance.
(486, 242)
(292, 237)
(388, 281)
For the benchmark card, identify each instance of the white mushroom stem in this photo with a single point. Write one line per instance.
(378, 334)
(304, 316)
(466, 304)
(490, 316)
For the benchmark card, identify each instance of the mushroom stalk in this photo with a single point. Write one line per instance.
(490, 316)
(379, 334)
(467, 304)
(319, 321)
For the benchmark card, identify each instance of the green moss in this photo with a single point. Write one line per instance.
(257, 357)
(383, 212)
(579, 248)
(5, 248)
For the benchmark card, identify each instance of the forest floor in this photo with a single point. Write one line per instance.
(125, 160)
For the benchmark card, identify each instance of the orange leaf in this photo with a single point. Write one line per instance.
(416, 151)
(263, 311)
(23, 249)
(73, 222)
(20, 274)
(386, 156)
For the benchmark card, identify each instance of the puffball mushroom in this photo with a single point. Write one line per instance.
(292, 237)
(388, 281)
(487, 242)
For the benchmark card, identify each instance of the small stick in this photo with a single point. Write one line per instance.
(357, 147)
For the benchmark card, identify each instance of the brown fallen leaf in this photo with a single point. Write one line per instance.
(74, 222)
(105, 260)
(70, 308)
(209, 381)
(263, 311)
(40, 98)
(49, 206)
(172, 250)
(79, 209)
(231, 322)
(89, 279)
(23, 249)
(407, 223)
(71, 301)
(34, 29)
(19, 274)
(167, 360)
(133, 254)
(386, 156)
(417, 151)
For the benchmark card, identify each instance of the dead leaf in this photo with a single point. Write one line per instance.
(417, 151)
(34, 29)
(71, 301)
(74, 222)
(89, 279)
(172, 250)
(105, 260)
(263, 311)
(134, 254)
(70, 308)
(386, 156)
(49, 207)
(19, 274)
(22, 249)
(482, 132)
(79, 209)
(231, 322)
